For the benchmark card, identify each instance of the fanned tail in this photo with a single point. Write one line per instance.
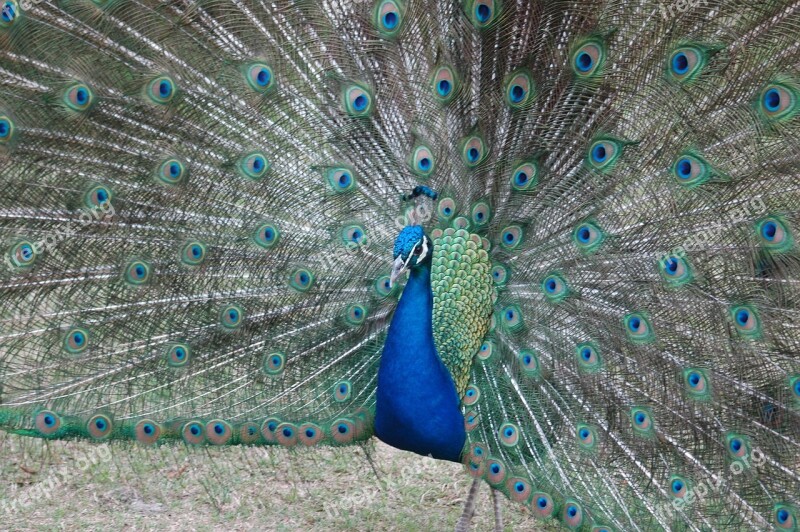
(199, 202)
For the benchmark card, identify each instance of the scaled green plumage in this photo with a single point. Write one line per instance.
(463, 298)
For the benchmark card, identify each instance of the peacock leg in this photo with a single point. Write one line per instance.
(498, 514)
(469, 508)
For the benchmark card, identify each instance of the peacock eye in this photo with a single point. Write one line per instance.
(6, 129)
(482, 13)
(444, 84)
(473, 151)
(603, 153)
(686, 63)
(418, 250)
(8, 13)
(161, 90)
(388, 18)
(519, 89)
(254, 165)
(260, 78)
(588, 58)
(78, 97)
(357, 100)
(778, 101)
(691, 170)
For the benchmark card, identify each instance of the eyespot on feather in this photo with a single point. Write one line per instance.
(161, 90)
(9, 14)
(178, 355)
(519, 90)
(679, 486)
(473, 151)
(638, 328)
(529, 362)
(774, 234)
(310, 434)
(355, 314)
(778, 101)
(519, 489)
(642, 422)
(542, 504)
(738, 446)
(249, 433)
(266, 235)
(525, 176)
(675, 270)
(388, 17)
(268, 429)
(343, 431)
(588, 58)
(193, 432)
(147, 431)
(254, 165)
(7, 130)
(572, 514)
(301, 280)
(604, 153)
(495, 471)
(218, 432)
(471, 395)
(697, 384)
(78, 97)
(342, 391)
(231, 317)
(99, 426)
(746, 321)
(482, 13)
(686, 63)
(587, 437)
(357, 100)
(511, 237)
(446, 208)
(47, 422)
(193, 253)
(286, 434)
(259, 77)
(76, 341)
(471, 420)
(508, 433)
(445, 84)
(137, 273)
(341, 179)
(274, 363)
(171, 172)
(588, 356)
(785, 517)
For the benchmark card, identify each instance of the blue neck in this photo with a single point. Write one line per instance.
(417, 405)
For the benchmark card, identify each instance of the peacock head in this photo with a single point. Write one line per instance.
(411, 249)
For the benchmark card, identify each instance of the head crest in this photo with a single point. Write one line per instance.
(423, 198)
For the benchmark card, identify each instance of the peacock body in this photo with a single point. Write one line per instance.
(205, 219)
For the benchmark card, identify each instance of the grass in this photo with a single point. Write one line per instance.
(78, 485)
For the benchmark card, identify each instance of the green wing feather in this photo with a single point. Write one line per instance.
(463, 299)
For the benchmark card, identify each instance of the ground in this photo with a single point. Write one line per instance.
(77, 485)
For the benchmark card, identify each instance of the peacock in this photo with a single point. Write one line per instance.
(550, 240)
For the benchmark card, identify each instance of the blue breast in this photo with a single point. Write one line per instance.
(417, 405)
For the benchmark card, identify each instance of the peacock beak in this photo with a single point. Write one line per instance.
(398, 268)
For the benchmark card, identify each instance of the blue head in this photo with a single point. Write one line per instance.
(412, 248)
